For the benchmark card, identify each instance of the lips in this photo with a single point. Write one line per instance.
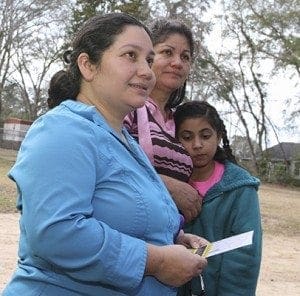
(140, 86)
(174, 74)
(199, 157)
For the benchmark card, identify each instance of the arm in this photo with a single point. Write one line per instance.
(240, 268)
(186, 198)
(56, 173)
(184, 195)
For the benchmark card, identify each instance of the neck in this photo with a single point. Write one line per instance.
(203, 173)
(114, 119)
(160, 98)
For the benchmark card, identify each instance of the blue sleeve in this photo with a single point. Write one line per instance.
(56, 174)
(240, 268)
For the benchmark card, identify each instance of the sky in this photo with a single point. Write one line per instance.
(281, 88)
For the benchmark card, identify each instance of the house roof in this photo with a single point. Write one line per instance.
(290, 150)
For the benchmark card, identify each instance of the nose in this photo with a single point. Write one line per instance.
(177, 61)
(197, 143)
(145, 71)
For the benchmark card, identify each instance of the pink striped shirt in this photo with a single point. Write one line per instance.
(157, 138)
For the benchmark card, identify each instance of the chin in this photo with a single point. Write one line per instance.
(199, 165)
(175, 84)
(136, 106)
(140, 103)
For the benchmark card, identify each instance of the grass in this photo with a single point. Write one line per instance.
(280, 206)
(8, 192)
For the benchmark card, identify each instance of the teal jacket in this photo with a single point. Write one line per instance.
(230, 207)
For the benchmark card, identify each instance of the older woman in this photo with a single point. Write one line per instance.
(153, 124)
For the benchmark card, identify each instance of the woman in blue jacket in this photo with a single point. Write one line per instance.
(95, 217)
(230, 202)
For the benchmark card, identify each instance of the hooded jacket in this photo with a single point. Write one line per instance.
(230, 207)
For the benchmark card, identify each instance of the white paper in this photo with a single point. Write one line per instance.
(231, 243)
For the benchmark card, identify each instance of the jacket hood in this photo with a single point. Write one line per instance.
(234, 177)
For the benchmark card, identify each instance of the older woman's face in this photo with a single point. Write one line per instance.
(172, 62)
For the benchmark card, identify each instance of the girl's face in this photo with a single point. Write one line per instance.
(200, 140)
(124, 78)
(172, 62)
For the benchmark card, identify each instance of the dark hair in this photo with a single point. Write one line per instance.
(161, 29)
(201, 109)
(93, 38)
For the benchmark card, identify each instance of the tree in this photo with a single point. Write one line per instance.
(24, 26)
(8, 27)
(278, 24)
(82, 10)
(12, 106)
(85, 9)
(137, 8)
(241, 149)
(31, 78)
(234, 73)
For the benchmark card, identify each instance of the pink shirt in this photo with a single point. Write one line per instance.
(216, 176)
(157, 138)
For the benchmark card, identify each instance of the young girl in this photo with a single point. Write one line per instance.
(230, 202)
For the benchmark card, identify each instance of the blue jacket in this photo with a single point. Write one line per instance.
(230, 207)
(89, 204)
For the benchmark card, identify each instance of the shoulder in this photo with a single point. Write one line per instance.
(64, 121)
(66, 129)
(235, 176)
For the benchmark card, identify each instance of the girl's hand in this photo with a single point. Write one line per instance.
(190, 240)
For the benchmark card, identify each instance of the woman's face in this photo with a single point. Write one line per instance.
(172, 62)
(124, 78)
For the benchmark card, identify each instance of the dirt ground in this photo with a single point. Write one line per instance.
(280, 270)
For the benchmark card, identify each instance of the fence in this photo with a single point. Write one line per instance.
(11, 139)
(13, 133)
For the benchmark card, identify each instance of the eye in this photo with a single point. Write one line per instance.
(150, 61)
(206, 136)
(167, 52)
(131, 55)
(186, 58)
(186, 137)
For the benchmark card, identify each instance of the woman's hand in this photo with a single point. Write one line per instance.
(186, 198)
(173, 265)
(190, 240)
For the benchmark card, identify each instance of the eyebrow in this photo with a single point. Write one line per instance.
(206, 129)
(186, 50)
(151, 52)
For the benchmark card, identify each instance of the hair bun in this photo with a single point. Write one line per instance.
(67, 56)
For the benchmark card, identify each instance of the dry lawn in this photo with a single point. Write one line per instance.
(7, 188)
(280, 207)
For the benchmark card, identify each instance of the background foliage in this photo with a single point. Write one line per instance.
(242, 46)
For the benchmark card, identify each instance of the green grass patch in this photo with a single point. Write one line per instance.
(8, 192)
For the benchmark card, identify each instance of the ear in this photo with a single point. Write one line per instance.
(87, 69)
